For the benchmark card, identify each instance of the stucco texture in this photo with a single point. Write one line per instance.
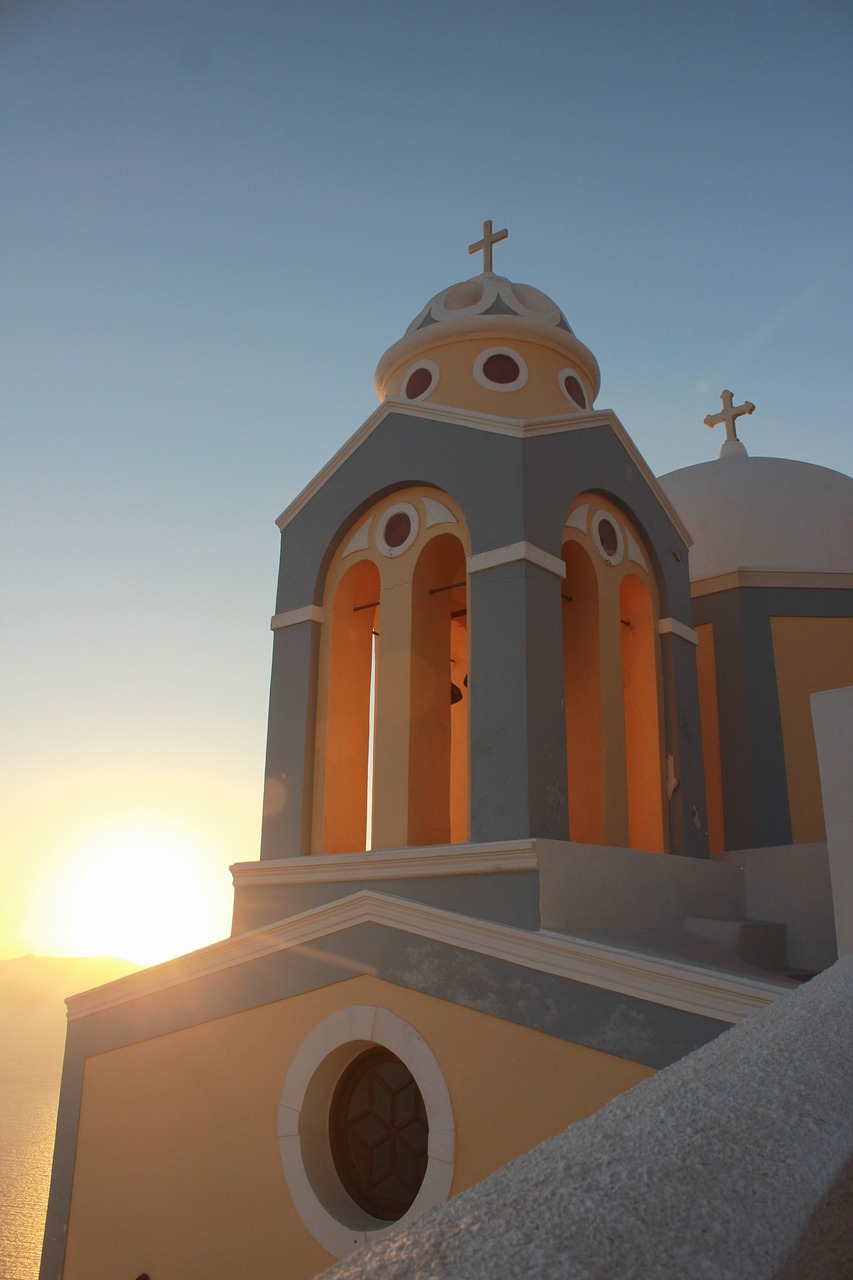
(178, 1170)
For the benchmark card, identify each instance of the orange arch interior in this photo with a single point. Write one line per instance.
(355, 617)
(582, 691)
(642, 723)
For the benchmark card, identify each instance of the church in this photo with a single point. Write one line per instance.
(542, 815)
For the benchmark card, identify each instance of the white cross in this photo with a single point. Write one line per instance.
(486, 244)
(728, 415)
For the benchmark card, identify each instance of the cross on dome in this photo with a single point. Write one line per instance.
(729, 414)
(489, 238)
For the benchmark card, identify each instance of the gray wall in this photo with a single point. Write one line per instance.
(755, 786)
(511, 490)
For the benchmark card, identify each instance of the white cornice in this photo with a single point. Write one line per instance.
(770, 578)
(519, 427)
(397, 864)
(513, 553)
(707, 992)
(292, 618)
(671, 626)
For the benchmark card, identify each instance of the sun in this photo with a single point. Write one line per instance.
(140, 888)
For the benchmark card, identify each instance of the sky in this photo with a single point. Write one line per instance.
(215, 218)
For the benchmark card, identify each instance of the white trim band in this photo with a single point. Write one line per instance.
(726, 997)
(671, 626)
(392, 864)
(511, 554)
(310, 613)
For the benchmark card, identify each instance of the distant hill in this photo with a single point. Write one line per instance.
(46, 980)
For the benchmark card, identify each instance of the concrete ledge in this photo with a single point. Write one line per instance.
(791, 883)
(732, 1164)
(589, 887)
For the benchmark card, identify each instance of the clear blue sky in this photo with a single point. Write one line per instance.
(217, 216)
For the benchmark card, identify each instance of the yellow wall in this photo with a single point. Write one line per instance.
(811, 654)
(178, 1170)
(540, 397)
(706, 672)
(418, 796)
(617, 724)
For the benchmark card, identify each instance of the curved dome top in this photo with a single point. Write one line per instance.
(770, 514)
(500, 316)
(489, 295)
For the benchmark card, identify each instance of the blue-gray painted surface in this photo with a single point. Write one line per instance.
(510, 897)
(755, 785)
(510, 489)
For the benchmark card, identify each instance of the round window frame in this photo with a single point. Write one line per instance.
(520, 381)
(431, 368)
(319, 1197)
(569, 372)
(618, 555)
(399, 508)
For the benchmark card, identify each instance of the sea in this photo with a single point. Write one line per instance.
(32, 1043)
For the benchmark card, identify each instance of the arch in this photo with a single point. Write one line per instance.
(642, 718)
(344, 718)
(582, 689)
(391, 751)
(438, 726)
(611, 679)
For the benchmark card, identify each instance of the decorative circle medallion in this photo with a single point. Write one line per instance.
(398, 529)
(500, 369)
(420, 380)
(607, 537)
(572, 388)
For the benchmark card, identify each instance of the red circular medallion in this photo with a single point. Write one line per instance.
(397, 529)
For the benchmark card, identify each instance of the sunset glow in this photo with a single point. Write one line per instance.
(142, 889)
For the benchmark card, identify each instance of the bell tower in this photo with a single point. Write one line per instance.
(483, 626)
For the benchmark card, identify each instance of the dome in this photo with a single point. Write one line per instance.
(764, 514)
(489, 295)
(490, 313)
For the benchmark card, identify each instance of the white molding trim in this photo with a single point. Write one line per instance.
(486, 422)
(303, 1123)
(770, 578)
(671, 626)
(579, 518)
(635, 555)
(517, 383)
(292, 618)
(708, 992)
(390, 864)
(511, 554)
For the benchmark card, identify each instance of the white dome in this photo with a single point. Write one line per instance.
(489, 295)
(770, 514)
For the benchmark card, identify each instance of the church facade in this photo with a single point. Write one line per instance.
(542, 814)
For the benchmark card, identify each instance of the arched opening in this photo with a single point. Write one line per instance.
(345, 734)
(642, 721)
(582, 688)
(438, 700)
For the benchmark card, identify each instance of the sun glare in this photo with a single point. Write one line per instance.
(140, 889)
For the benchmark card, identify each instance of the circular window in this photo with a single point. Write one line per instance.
(365, 1127)
(420, 380)
(379, 1134)
(500, 369)
(572, 389)
(607, 537)
(398, 529)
